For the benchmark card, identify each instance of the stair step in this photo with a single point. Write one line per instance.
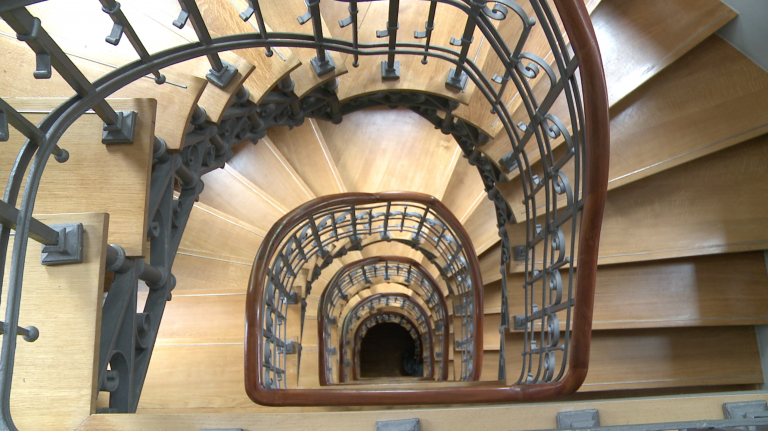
(715, 290)
(482, 226)
(121, 171)
(638, 40)
(264, 166)
(281, 17)
(705, 206)
(204, 275)
(210, 233)
(177, 102)
(662, 358)
(465, 190)
(64, 303)
(306, 151)
(725, 103)
(252, 205)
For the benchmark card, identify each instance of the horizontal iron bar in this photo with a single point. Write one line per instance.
(38, 230)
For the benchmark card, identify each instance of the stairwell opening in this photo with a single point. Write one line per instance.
(388, 350)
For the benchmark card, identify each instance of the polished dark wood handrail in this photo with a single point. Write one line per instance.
(355, 364)
(366, 262)
(578, 26)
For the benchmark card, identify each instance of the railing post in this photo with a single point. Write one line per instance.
(390, 69)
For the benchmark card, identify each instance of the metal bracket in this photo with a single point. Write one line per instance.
(746, 410)
(322, 67)
(578, 419)
(457, 82)
(122, 131)
(519, 252)
(69, 249)
(390, 73)
(400, 425)
(303, 19)
(42, 58)
(223, 76)
(292, 347)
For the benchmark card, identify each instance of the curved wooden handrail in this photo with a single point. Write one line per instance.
(356, 376)
(366, 262)
(577, 24)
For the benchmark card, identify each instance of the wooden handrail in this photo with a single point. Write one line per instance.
(356, 376)
(577, 24)
(363, 263)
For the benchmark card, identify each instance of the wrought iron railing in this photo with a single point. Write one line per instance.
(552, 202)
(419, 339)
(355, 221)
(349, 347)
(358, 276)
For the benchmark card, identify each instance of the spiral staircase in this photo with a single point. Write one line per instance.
(680, 292)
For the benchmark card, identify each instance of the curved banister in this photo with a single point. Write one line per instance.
(341, 275)
(359, 335)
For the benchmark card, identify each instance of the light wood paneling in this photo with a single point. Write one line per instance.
(97, 177)
(481, 226)
(411, 157)
(265, 167)
(492, 298)
(232, 194)
(637, 40)
(212, 234)
(490, 264)
(490, 365)
(654, 358)
(305, 149)
(202, 319)
(201, 275)
(430, 77)
(527, 416)
(464, 191)
(716, 290)
(176, 102)
(707, 206)
(64, 303)
(281, 17)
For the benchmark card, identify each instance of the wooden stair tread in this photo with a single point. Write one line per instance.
(306, 151)
(465, 190)
(197, 275)
(210, 234)
(685, 211)
(69, 187)
(482, 226)
(657, 358)
(715, 290)
(253, 205)
(64, 303)
(264, 166)
(637, 40)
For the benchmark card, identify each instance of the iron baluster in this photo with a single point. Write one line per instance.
(352, 19)
(429, 25)
(254, 9)
(390, 69)
(385, 233)
(457, 78)
(322, 63)
(221, 72)
(120, 26)
(35, 135)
